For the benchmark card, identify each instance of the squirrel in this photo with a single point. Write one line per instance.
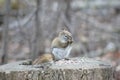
(60, 48)
(61, 45)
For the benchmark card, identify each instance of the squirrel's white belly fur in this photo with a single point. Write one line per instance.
(61, 53)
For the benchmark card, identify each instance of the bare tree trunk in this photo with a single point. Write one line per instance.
(66, 16)
(38, 41)
(67, 12)
(5, 33)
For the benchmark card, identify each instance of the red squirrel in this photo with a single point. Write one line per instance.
(60, 48)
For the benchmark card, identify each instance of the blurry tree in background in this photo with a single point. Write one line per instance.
(5, 33)
(38, 40)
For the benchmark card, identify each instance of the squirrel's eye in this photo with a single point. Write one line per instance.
(65, 36)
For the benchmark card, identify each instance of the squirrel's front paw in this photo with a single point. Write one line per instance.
(66, 59)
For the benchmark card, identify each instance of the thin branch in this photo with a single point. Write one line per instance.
(24, 21)
(97, 24)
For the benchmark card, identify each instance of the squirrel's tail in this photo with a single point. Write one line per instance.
(47, 57)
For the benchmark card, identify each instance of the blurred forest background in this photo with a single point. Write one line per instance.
(27, 28)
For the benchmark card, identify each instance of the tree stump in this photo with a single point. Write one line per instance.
(73, 69)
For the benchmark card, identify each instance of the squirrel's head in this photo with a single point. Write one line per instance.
(65, 36)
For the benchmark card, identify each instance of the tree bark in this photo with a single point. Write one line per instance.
(73, 69)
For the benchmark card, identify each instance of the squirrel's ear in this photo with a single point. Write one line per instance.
(64, 29)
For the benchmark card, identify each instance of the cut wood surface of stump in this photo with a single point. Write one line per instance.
(73, 69)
